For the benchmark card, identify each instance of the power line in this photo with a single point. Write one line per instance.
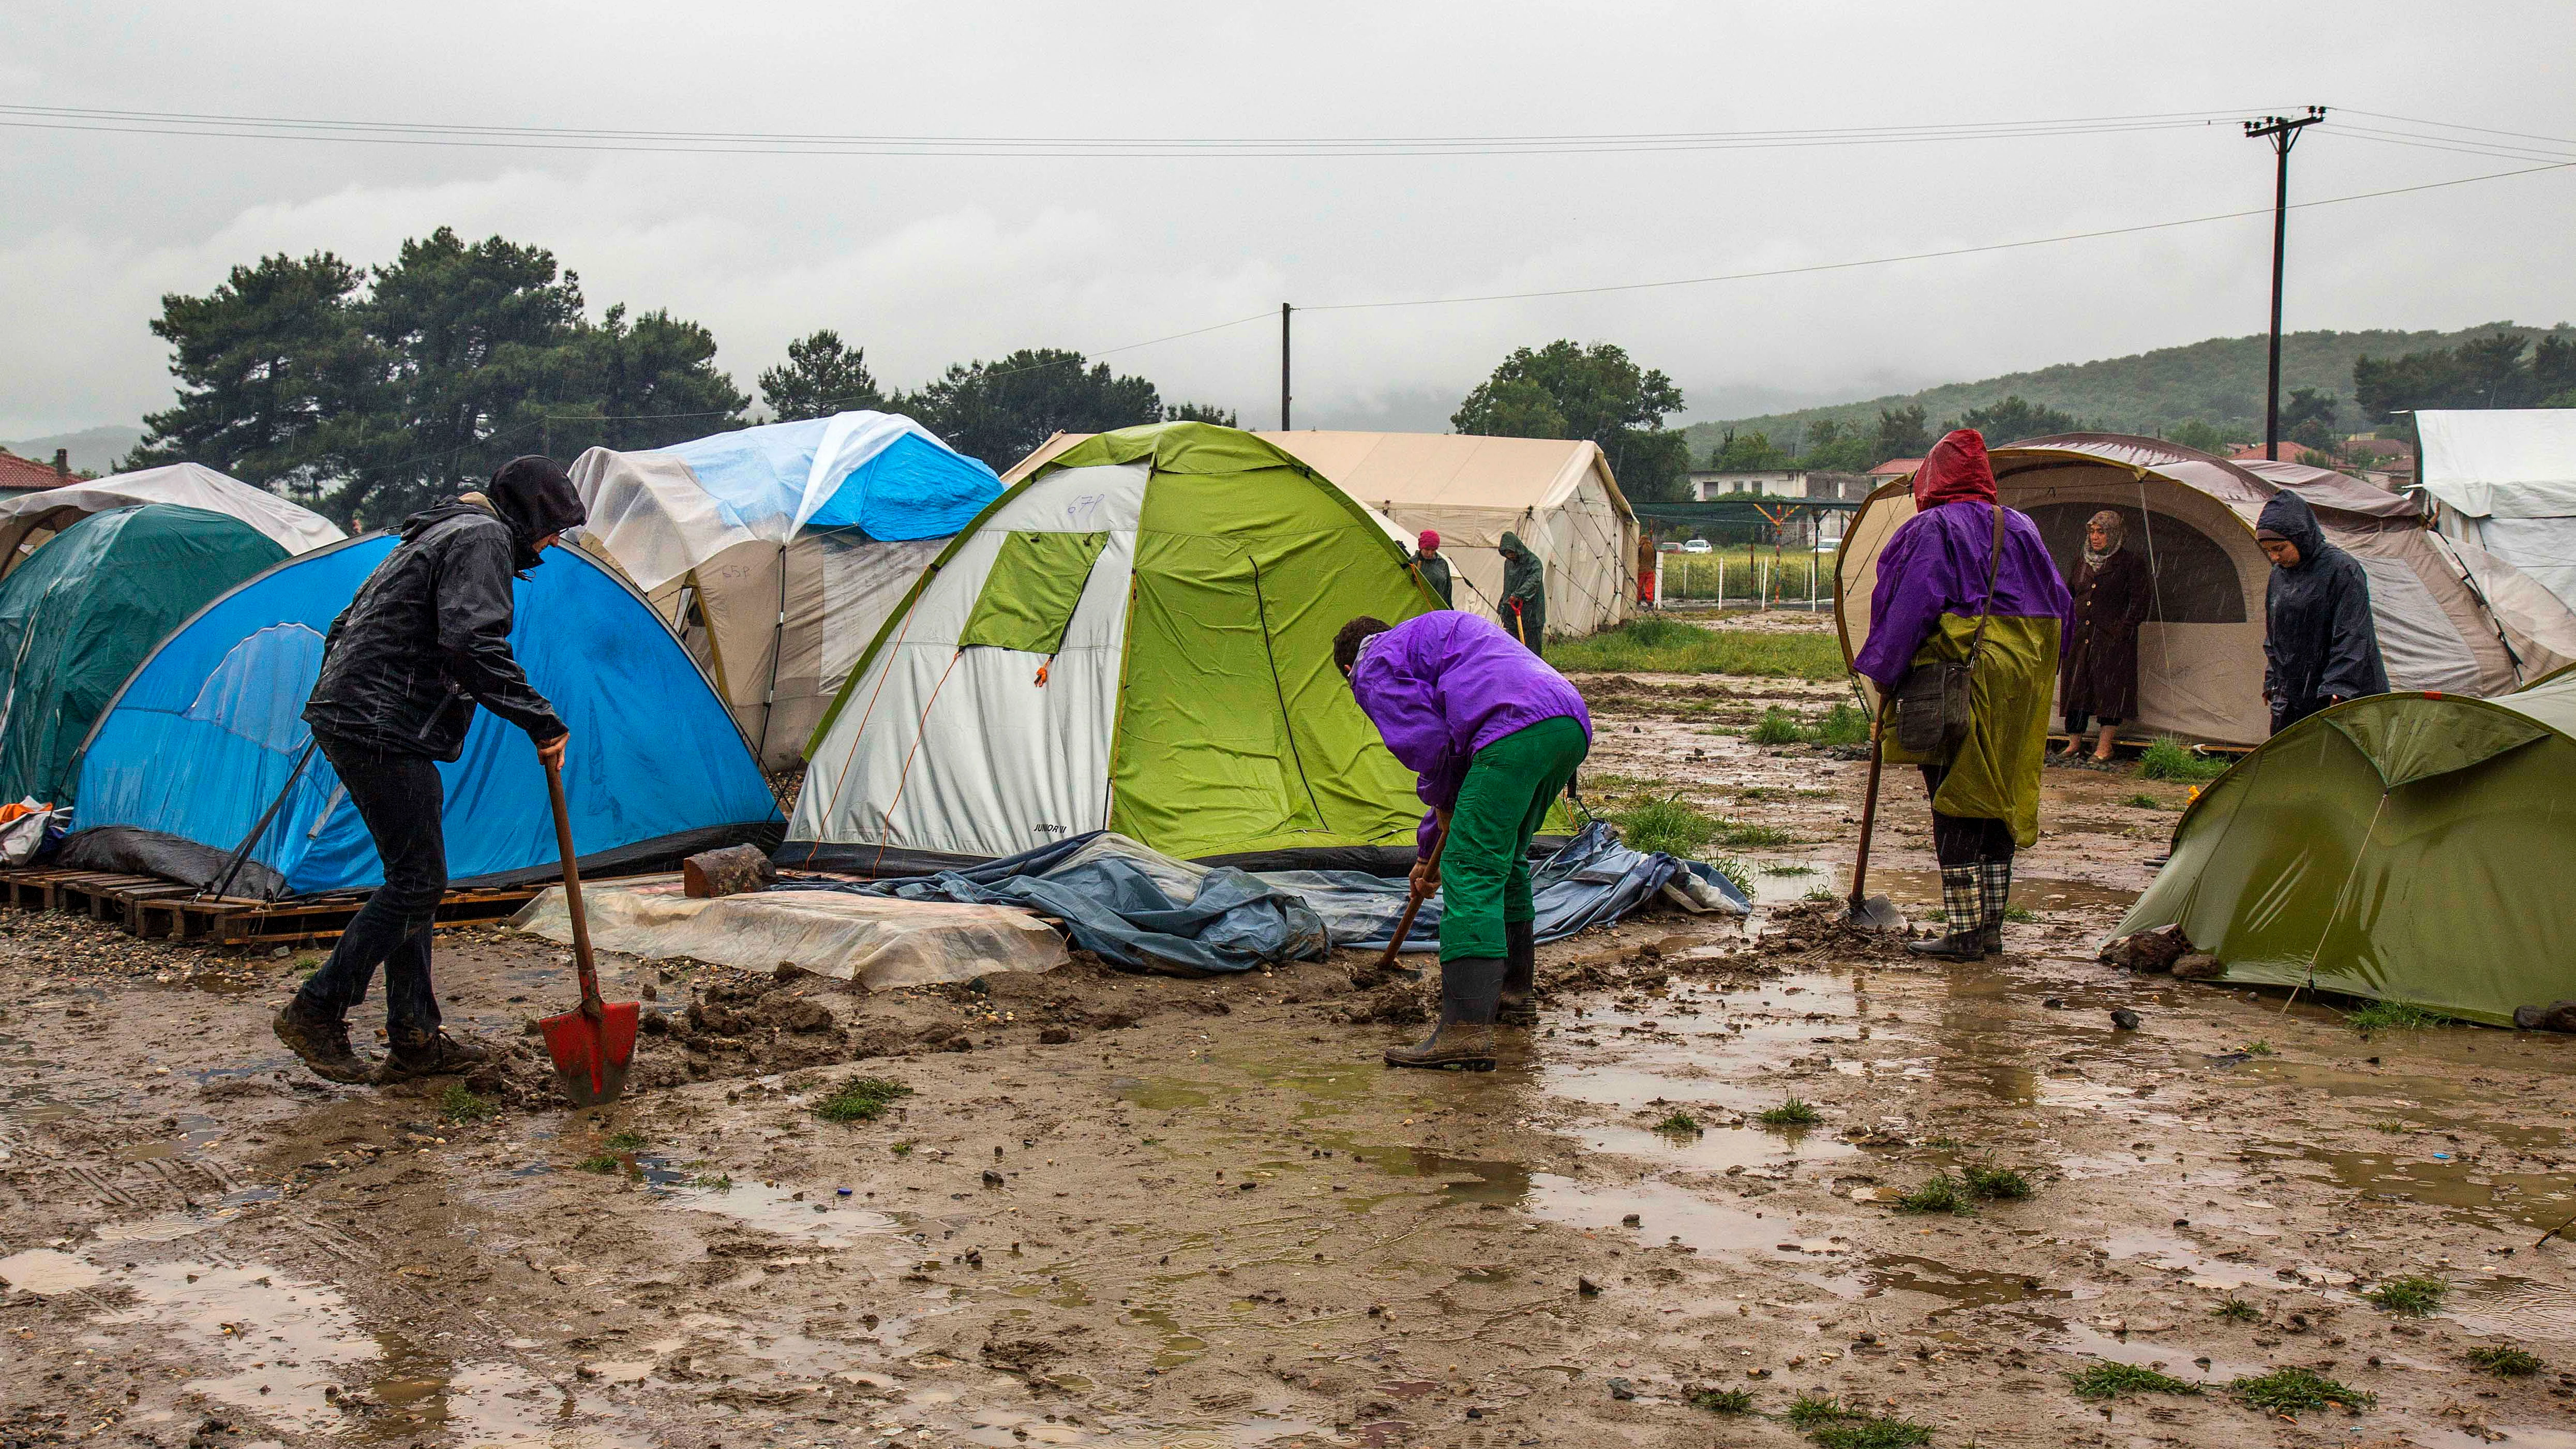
(216, 125)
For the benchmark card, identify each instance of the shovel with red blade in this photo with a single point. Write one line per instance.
(593, 1046)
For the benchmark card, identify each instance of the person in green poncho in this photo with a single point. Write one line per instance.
(1524, 605)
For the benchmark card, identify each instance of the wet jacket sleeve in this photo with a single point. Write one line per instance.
(2352, 650)
(2271, 650)
(474, 610)
(1903, 608)
(1406, 710)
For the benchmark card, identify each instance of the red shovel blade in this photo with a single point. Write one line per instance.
(591, 1054)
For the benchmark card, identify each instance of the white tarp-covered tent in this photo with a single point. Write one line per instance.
(29, 519)
(1558, 495)
(776, 552)
(2505, 480)
(2450, 617)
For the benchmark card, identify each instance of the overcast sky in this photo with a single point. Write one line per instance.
(932, 259)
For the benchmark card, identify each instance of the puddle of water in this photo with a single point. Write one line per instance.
(2181, 1256)
(2157, 1352)
(1179, 1344)
(2037, 893)
(2473, 1193)
(46, 1272)
(1667, 1214)
(815, 1214)
(1465, 1179)
(1959, 1287)
(2514, 1308)
(166, 1227)
(1752, 1148)
(285, 1339)
(1156, 1095)
(1754, 1033)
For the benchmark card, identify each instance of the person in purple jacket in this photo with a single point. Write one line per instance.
(1495, 735)
(1931, 591)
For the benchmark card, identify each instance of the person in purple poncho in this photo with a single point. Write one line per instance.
(1495, 735)
(1933, 587)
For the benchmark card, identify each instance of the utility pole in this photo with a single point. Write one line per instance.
(1284, 310)
(2283, 133)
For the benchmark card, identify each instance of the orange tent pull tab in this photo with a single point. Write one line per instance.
(1042, 671)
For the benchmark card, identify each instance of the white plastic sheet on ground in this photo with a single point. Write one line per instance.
(874, 940)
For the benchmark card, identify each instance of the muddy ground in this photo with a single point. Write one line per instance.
(1136, 1210)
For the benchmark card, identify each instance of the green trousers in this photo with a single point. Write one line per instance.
(1484, 869)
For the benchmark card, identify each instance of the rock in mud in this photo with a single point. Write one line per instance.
(2199, 966)
(2123, 1019)
(2150, 951)
(2556, 1016)
(1393, 1006)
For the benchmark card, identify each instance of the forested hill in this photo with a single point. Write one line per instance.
(2219, 381)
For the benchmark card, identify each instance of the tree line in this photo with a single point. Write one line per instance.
(371, 392)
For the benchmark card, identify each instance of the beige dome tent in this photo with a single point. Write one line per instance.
(1558, 495)
(2451, 618)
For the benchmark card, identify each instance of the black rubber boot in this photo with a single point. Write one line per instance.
(1994, 896)
(1519, 1001)
(321, 1037)
(1963, 907)
(1470, 989)
(427, 1054)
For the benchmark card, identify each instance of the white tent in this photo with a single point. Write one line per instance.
(776, 552)
(2505, 480)
(1558, 495)
(29, 519)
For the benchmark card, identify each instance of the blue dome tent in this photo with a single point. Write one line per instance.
(205, 735)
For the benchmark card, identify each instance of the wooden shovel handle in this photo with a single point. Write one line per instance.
(1869, 804)
(591, 1002)
(1413, 902)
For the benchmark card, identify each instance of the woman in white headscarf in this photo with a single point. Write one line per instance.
(2097, 673)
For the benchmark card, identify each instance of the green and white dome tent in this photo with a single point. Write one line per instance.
(1136, 638)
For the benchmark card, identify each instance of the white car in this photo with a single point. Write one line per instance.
(1699, 545)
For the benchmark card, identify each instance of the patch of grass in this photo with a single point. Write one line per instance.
(1776, 727)
(1791, 1113)
(2410, 1297)
(2020, 915)
(2144, 802)
(1810, 1410)
(2393, 1016)
(1738, 871)
(308, 963)
(1789, 868)
(904, 1148)
(1821, 893)
(624, 1140)
(860, 1099)
(2389, 1126)
(1941, 1144)
(1723, 1401)
(2170, 759)
(606, 1164)
(719, 1182)
(2256, 1049)
(1940, 1193)
(2505, 1361)
(459, 1104)
(1747, 834)
(1758, 792)
(1678, 1121)
(1659, 645)
(2110, 1380)
(1865, 1433)
(2297, 1390)
(2003, 1184)
(2237, 1310)
(1845, 724)
(1666, 825)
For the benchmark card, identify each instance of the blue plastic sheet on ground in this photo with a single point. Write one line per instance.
(1145, 910)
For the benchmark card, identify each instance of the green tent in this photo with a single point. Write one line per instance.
(2407, 847)
(1138, 637)
(83, 610)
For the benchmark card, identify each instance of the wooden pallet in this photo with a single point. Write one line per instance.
(158, 909)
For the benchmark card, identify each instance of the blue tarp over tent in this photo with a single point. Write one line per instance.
(883, 473)
(208, 731)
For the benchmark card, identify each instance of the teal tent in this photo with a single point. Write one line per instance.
(85, 609)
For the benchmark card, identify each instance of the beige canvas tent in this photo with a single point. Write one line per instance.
(2450, 617)
(1557, 495)
(776, 552)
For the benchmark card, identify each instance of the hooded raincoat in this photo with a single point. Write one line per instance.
(428, 636)
(1524, 594)
(1931, 589)
(2319, 643)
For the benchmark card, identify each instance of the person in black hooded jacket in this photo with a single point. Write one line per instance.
(2319, 645)
(426, 639)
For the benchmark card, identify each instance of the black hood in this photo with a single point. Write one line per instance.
(535, 496)
(2290, 516)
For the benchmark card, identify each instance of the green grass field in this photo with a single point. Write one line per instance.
(1668, 646)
